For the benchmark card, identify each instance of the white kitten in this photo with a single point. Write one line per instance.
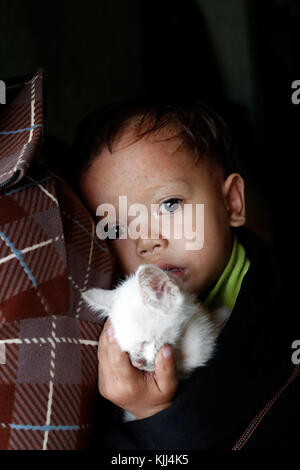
(149, 309)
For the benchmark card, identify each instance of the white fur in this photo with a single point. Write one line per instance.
(149, 309)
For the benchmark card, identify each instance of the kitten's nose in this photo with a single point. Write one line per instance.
(148, 246)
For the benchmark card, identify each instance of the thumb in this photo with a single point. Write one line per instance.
(165, 370)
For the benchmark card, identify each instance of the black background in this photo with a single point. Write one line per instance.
(241, 56)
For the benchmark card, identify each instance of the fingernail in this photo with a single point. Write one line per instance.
(110, 333)
(167, 351)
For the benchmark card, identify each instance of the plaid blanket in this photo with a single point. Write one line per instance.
(49, 254)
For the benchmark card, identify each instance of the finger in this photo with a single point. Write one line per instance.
(106, 326)
(109, 349)
(103, 340)
(165, 371)
(112, 362)
(118, 360)
(104, 375)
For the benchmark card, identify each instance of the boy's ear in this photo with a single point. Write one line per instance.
(233, 191)
(99, 300)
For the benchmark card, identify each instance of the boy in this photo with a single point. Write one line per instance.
(168, 157)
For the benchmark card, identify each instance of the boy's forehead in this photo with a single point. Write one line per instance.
(147, 169)
(143, 168)
(147, 156)
(145, 165)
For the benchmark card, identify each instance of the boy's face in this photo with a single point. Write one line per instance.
(152, 171)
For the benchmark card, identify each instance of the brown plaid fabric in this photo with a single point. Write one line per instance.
(49, 254)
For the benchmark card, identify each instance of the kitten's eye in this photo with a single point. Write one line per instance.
(170, 206)
(114, 232)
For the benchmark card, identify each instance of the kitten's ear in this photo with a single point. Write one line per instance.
(99, 300)
(156, 286)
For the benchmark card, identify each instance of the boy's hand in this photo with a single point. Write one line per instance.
(142, 394)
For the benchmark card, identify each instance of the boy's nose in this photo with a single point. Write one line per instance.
(149, 246)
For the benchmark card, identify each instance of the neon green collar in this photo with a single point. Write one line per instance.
(225, 291)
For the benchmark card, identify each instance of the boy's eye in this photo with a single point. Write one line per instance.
(171, 205)
(114, 231)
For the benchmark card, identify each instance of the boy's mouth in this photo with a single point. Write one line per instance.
(171, 269)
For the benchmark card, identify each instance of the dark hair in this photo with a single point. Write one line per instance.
(199, 127)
